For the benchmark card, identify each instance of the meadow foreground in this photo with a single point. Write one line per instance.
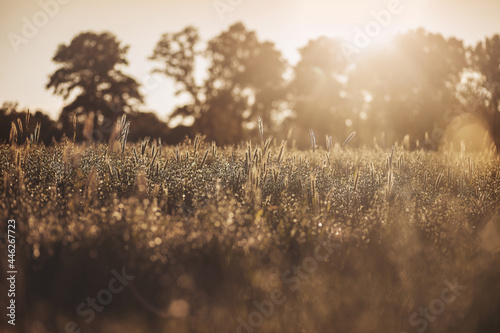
(256, 238)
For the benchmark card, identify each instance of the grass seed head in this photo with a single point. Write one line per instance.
(348, 139)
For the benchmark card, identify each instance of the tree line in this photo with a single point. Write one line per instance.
(417, 86)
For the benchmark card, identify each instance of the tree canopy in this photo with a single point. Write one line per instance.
(317, 91)
(90, 73)
(409, 85)
(244, 79)
(486, 60)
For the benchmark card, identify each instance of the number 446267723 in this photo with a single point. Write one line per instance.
(11, 248)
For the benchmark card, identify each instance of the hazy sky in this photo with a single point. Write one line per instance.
(288, 23)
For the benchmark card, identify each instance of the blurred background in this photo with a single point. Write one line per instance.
(427, 72)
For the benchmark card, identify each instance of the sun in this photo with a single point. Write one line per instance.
(358, 25)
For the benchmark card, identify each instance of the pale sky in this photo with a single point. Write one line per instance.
(24, 69)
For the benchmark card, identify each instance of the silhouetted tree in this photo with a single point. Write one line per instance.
(486, 60)
(409, 86)
(90, 71)
(316, 91)
(244, 79)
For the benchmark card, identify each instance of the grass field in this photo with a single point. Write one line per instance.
(254, 238)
